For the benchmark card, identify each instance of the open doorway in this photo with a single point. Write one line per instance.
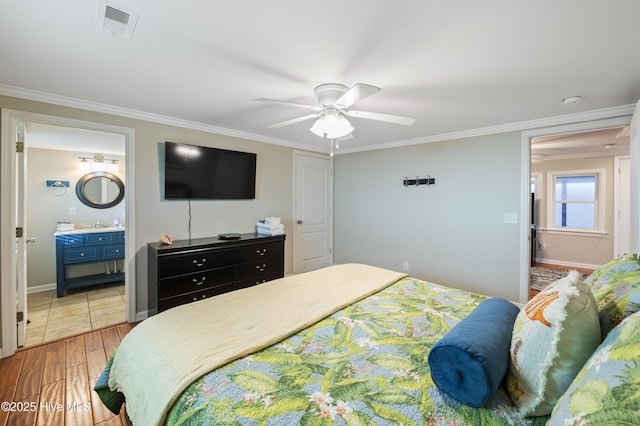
(57, 158)
(580, 202)
(13, 285)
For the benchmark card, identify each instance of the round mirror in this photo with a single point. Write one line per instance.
(100, 190)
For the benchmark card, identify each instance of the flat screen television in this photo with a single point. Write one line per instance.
(203, 173)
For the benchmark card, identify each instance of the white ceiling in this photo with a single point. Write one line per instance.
(604, 142)
(82, 142)
(455, 66)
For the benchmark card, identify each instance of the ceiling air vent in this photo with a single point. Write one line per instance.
(116, 20)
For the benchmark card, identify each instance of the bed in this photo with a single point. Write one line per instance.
(357, 360)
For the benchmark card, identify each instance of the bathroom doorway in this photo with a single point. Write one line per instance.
(13, 288)
(56, 158)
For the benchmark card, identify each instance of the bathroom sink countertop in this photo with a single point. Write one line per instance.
(91, 230)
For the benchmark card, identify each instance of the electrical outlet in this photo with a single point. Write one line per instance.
(405, 265)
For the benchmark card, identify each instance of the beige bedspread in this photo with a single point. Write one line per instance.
(160, 357)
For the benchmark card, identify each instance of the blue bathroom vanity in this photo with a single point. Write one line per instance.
(74, 248)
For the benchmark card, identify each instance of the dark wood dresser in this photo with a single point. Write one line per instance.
(191, 270)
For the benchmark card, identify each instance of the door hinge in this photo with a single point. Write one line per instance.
(330, 250)
(19, 316)
(19, 232)
(19, 146)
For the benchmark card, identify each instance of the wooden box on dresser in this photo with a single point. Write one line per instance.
(191, 270)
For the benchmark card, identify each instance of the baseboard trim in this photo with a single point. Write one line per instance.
(568, 264)
(142, 315)
(41, 288)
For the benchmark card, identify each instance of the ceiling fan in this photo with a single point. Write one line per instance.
(334, 101)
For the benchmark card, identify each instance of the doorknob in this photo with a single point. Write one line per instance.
(299, 222)
(31, 240)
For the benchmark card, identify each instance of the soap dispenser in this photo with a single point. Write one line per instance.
(116, 222)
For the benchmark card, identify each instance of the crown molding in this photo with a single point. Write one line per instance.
(35, 95)
(599, 114)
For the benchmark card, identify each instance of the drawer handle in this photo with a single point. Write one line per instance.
(99, 238)
(196, 282)
(261, 252)
(117, 250)
(201, 263)
(261, 268)
(204, 296)
(81, 254)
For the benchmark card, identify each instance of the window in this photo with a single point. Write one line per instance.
(575, 201)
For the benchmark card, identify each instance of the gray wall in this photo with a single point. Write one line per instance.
(154, 216)
(451, 233)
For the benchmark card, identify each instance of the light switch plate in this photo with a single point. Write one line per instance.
(511, 217)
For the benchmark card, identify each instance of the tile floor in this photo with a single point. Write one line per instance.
(79, 311)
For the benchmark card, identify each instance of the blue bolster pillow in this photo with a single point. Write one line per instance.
(470, 361)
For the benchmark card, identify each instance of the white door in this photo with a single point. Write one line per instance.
(622, 206)
(21, 249)
(313, 215)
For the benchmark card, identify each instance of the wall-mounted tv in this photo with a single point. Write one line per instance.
(203, 173)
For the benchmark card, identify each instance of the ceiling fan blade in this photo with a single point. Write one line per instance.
(293, 104)
(389, 118)
(357, 93)
(293, 121)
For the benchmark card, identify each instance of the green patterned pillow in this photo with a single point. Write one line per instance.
(607, 389)
(554, 334)
(616, 288)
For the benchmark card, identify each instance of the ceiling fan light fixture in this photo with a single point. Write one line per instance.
(332, 126)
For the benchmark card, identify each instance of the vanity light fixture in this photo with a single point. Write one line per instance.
(84, 165)
(97, 163)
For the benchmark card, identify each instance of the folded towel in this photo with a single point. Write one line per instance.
(261, 225)
(470, 361)
(270, 231)
(271, 220)
(65, 226)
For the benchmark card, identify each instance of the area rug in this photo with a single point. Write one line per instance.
(542, 277)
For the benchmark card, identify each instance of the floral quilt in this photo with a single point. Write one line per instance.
(364, 365)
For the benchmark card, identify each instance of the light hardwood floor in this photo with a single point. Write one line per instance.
(57, 379)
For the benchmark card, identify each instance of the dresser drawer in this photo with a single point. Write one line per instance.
(81, 254)
(250, 282)
(257, 252)
(264, 268)
(180, 264)
(113, 251)
(168, 303)
(70, 240)
(169, 287)
(100, 238)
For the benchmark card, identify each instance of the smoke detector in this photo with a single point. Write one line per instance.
(116, 20)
